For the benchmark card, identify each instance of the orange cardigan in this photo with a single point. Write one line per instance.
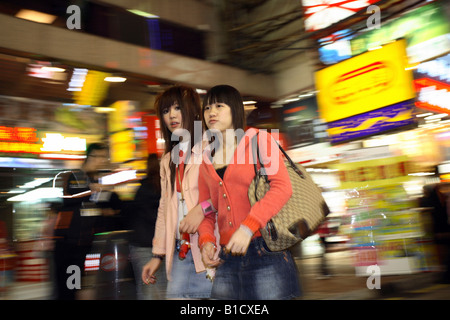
(229, 196)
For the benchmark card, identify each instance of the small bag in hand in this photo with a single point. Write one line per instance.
(300, 216)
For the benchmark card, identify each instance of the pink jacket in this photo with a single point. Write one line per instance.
(166, 222)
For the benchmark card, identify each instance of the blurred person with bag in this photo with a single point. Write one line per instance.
(85, 203)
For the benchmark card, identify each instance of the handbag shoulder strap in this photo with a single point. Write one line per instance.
(255, 152)
(256, 158)
(291, 163)
(256, 155)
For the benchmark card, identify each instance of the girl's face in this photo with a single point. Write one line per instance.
(173, 118)
(218, 116)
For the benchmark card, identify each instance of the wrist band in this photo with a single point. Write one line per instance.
(207, 208)
(246, 229)
(214, 245)
(159, 256)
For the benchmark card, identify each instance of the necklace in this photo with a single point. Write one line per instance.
(179, 181)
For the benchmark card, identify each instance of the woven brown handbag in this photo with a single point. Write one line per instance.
(300, 216)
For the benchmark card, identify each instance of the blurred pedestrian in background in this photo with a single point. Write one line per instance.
(178, 109)
(324, 231)
(46, 242)
(85, 202)
(141, 218)
(437, 197)
(247, 269)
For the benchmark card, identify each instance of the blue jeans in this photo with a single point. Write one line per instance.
(186, 283)
(139, 257)
(259, 275)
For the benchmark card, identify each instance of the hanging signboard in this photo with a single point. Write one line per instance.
(364, 83)
(320, 14)
(432, 82)
(426, 30)
(399, 115)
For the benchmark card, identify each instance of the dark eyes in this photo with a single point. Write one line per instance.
(166, 110)
(218, 105)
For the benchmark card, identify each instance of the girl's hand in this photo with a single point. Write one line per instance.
(192, 220)
(239, 241)
(149, 270)
(208, 253)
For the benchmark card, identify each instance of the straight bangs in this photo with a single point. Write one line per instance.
(230, 96)
(190, 106)
(165, 100)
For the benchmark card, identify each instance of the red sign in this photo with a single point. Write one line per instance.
(155, 143)
(19, 140)
(109, 262)
(22, 134)
(320, 14)
(432, 95)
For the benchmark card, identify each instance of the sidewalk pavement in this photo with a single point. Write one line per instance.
(345, 285)
(342, 285)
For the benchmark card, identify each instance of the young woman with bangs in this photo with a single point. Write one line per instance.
(178, 108)
(246, 268)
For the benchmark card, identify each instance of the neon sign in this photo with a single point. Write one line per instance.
(25, 140)
(54, 142)
(320, 14)
(370, 123)
(433, 85)
(21, 134)
(19, 140)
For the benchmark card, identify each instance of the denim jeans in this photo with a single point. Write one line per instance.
(259, 275)
(186, 283)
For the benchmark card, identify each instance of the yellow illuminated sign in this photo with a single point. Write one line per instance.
(94, 89)
(375, 173)
(121, 137)
(122, 146)
(370, 81)
(20, 147)
(26, 140)
(19, 140)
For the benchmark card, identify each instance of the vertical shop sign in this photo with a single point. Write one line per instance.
(155, 142)
(121, 136)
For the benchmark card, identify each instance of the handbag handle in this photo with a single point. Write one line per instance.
(256, 156)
